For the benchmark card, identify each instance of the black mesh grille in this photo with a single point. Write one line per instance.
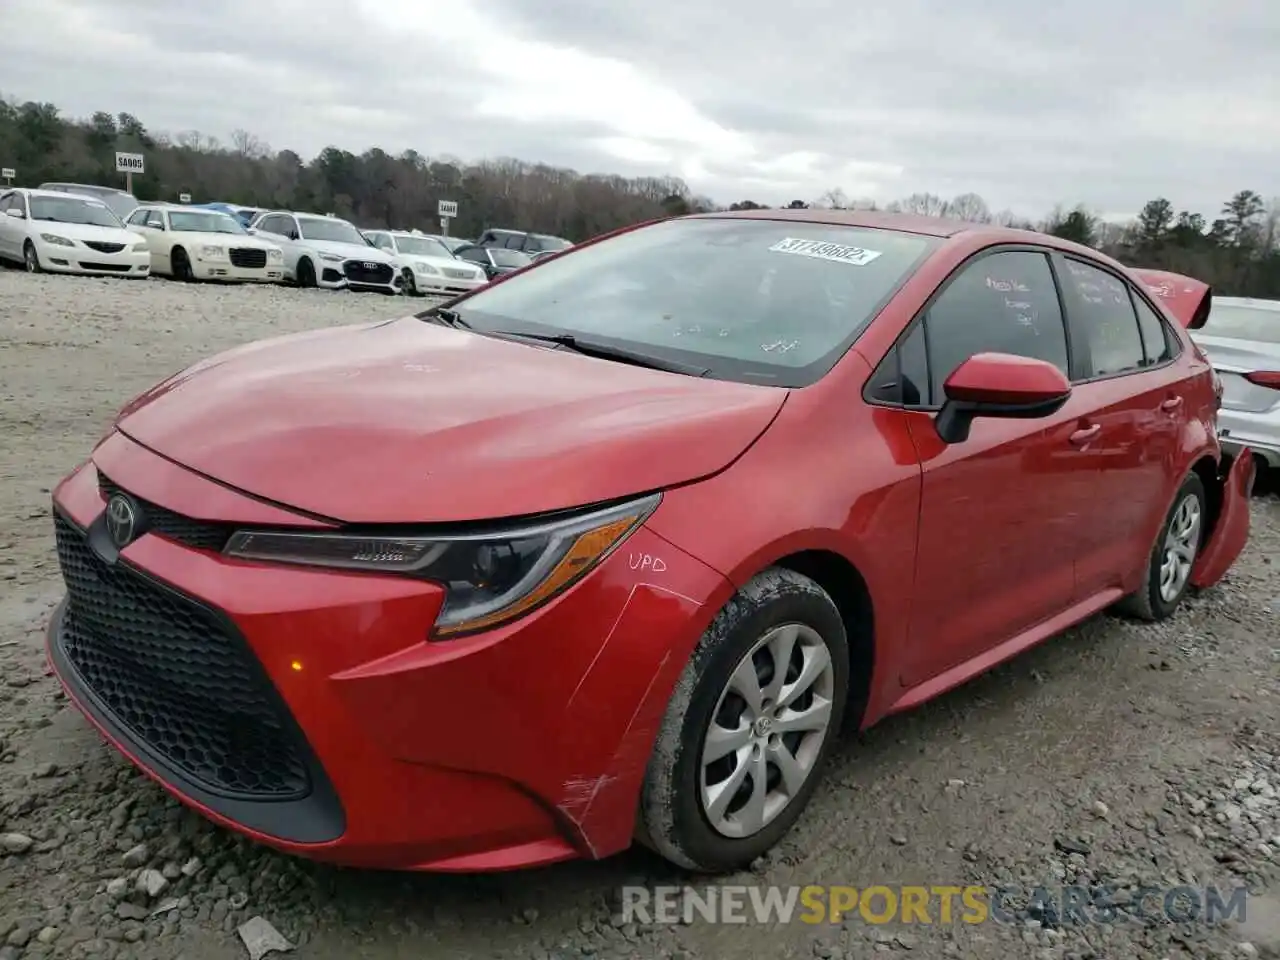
(178, 677)
(104, 247)
(105, 267)
(361, 271)
(248, 258)
(201, 534)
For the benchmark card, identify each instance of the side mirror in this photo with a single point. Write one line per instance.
(15, 213)
(999, 385)
(251, 231)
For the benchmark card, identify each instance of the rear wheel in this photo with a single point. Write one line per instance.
(749, 726)
(1167, 575)
(306, 273)
(31, 258)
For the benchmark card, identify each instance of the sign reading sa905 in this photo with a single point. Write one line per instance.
(447, 208)
(129, 163)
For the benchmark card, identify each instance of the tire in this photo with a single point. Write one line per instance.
(713, 831)
(31, 259)
(1164, 583)
(181, 265)
(410, 285)
(306, 274)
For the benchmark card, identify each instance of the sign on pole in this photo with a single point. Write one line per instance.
(448, 208)
(184, 198)
(8, 173)
(129, 164)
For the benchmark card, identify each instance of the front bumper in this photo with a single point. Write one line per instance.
(272, 272)
(523, 745)
(438, 285)
(57, 258)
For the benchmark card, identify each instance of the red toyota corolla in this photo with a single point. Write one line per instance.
(607, 549)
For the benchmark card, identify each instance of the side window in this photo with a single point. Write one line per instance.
(474, 254)
(138, 217)
(1001, 303)
(270, 224)
(383, 242)
(1156, 341)
(1102, 315)
(19, 203)
(903, 375)
(6, 201)
(155, 220)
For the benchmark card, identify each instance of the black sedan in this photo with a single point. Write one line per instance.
(494, 261)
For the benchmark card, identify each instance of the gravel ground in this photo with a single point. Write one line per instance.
(1113, 754)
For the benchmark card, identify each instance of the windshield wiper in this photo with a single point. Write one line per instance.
(446, 318)
(594, 348)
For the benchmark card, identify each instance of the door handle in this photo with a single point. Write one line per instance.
(1084, 435)
(1172, 404)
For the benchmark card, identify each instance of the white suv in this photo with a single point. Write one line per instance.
(327, 252)
(427, 265)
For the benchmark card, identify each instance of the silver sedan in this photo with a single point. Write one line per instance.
(1242, 340)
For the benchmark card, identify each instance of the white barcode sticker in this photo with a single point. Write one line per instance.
(821, 250)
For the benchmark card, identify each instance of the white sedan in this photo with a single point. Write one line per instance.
(195, 244)
(427, 265)
(67, 233)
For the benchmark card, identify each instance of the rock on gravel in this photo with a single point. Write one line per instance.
(1117, 754)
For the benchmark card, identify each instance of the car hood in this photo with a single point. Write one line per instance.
(406, 421)
(85, 231)
(440, 263)
(212, 238)
(349, 251)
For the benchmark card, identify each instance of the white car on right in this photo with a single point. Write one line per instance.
(427, 266)
(328, 252)
(1241, 338)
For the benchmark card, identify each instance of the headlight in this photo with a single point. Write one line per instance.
(330, 258)
(140, 246)
(428, 269)
(56, 240)
(489, 578)
(212, 253)
(274, 255)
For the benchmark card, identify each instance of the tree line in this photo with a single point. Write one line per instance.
(1238, 252)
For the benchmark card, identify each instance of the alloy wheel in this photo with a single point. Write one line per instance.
(767, 731)
(1180, 546)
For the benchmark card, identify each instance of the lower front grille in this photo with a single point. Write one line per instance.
(247, 258)
(457, 274)
(106, 267)
(178, 677)
(361, 271)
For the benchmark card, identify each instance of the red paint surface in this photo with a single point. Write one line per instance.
(528, 743)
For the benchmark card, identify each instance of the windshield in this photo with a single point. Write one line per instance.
(450, 243)
(205, 222)
(509, 258)
(754, 300)
(1243, 323)
(335, 231)
(73, 210)
(422, 247)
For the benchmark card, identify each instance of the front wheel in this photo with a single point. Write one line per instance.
(410, 285)
(749, 726)
(306, 274)
(181, 265)
(31, 258)
(1167, 575)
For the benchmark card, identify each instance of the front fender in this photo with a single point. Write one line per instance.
(1230, 532)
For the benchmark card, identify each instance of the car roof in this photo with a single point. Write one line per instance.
(940, 227)
(56, 194)
(84, 186)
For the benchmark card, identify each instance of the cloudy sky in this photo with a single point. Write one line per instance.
(1027, 104)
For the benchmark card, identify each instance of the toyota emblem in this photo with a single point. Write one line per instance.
(122, 520)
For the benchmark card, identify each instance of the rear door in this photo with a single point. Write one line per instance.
(1134, 411)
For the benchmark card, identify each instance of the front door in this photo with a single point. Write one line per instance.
(998, 513)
